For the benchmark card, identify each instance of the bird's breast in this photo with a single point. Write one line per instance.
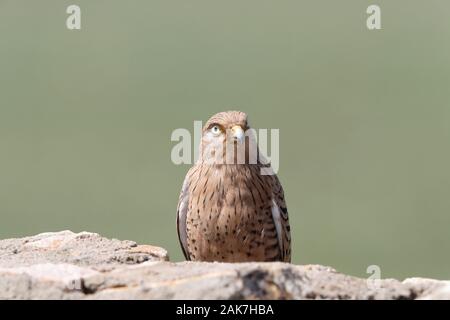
(228, 208)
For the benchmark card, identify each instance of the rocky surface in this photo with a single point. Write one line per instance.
(67, 265)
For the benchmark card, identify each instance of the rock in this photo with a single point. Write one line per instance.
(81, 249)
(67, 265)
(429, 289)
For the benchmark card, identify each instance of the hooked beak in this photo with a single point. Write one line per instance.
(238, 133)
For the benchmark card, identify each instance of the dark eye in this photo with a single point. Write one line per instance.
(215, 130)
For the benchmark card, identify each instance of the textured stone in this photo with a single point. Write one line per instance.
(67, 265)
(81, 249)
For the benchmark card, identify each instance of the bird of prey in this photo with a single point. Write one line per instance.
(228, 211)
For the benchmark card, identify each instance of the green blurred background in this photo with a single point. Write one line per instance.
(364, 118)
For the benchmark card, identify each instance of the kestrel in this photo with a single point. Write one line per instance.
(228, 210)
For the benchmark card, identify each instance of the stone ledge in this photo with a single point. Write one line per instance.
(67, 265)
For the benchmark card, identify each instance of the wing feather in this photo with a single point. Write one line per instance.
(182, 210)
(281, 220)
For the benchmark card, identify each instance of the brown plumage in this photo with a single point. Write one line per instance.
(228, 211)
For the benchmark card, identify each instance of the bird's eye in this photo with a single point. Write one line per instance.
(215, 130)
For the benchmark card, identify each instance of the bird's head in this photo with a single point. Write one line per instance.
(224, 136)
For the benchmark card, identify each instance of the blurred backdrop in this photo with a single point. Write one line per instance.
(364, 118)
